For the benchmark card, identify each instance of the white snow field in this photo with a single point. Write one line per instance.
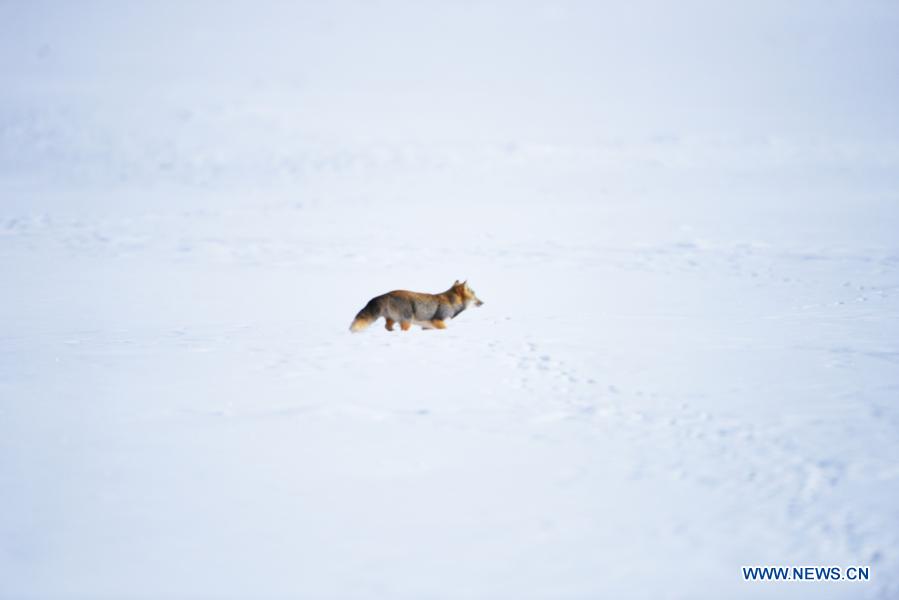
(682, 218)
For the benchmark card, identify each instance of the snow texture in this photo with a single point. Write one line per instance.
(682, 218)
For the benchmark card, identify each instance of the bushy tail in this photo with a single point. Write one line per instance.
(365, 317)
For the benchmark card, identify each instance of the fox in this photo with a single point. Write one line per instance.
(430, 311)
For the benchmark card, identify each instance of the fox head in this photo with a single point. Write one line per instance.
(466, 293)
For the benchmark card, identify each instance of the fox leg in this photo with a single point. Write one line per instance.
(405, 325)
(438, 324)
(389, 324)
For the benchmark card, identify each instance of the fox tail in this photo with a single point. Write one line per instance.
(365, 317)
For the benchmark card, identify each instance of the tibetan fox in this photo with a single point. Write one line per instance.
(428, 310)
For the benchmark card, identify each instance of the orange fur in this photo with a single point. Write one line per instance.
(408, 308)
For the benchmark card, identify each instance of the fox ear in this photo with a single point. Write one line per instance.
(456, 283)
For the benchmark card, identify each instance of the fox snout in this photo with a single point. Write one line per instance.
(478, 302)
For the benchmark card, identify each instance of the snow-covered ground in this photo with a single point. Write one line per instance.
(682, 218)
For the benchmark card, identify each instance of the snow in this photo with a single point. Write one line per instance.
(682, 220)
